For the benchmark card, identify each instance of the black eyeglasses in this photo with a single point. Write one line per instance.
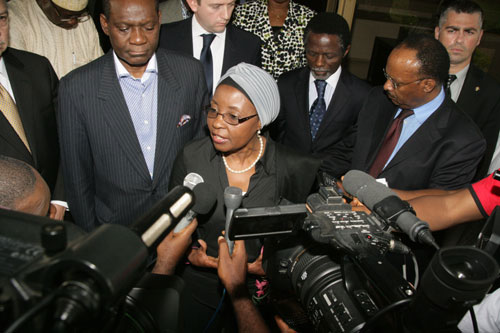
(396, 84)
(229, 118)
(82, 17)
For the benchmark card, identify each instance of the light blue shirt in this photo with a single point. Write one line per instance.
(141, 96)
(413, 122)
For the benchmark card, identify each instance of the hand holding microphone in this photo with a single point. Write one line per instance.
(232, 199)
(386, 204)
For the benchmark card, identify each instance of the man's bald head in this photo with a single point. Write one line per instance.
(22, 188)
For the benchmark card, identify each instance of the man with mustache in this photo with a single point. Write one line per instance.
(60, 30)
(209, 37)
(410, 133)
(327, 130)
(475, 92)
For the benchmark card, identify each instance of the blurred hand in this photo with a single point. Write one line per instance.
(172, 248)
(284, 328)
(199, 257)
(56, 212)
(256, 266)
(232, 269)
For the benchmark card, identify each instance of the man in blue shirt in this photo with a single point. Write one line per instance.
(409, 132)
(124, 117)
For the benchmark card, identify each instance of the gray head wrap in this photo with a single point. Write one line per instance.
(259, 87)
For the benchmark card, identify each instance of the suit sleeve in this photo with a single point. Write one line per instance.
(76, 155)
(456, 168)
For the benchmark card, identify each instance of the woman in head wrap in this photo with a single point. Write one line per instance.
(236, 154)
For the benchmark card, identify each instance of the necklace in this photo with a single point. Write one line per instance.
(251, 165)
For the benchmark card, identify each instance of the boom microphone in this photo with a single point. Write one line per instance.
(205, 200)
(164, 215)
(232, 199)
(386, 204)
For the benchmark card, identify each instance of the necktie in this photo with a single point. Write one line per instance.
(390, 141)
(318, 108)
(451, 78)
(206, 60)
(9, 110)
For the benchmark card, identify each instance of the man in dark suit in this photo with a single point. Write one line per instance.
(31, 84)
(124, 117)
(327, 41)
(209, 31)
(437, 145)
(475, 92)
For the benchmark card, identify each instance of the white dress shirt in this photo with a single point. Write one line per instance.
(329, 90)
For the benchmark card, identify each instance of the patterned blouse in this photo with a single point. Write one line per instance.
(284, 52)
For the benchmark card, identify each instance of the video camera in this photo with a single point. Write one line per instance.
(56, 278)
(328, 270)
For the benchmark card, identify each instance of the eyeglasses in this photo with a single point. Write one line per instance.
(396, 84)
(229, 118)
(82, 17)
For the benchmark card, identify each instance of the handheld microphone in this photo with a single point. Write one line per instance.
(232, 199)
(190, 181)
(205, 200)
(386, 204)
(156, 223)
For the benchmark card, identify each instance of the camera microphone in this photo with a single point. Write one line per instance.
(386, 204)
(232, 199)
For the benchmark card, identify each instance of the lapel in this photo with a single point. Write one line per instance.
(183, 37)
(301, 95)
(471, 91)
(381, 123)
(425, 136)
(23, 93)
(229, 49)
(167, 117)
(117, 116)
(340, 97)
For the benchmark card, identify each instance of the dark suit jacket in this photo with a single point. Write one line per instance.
(480, 99)
(107, 177)
(240, 46)
(443, 153)
(34, 85)
(334, 141)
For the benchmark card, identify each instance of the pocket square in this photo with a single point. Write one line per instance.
(185, 118)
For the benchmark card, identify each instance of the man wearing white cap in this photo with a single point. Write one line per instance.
(60, 30)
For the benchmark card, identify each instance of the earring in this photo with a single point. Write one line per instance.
(258, 132)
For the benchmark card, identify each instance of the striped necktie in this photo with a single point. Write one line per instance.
(9, 110)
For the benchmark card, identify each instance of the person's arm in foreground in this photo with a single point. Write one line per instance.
(172, 248)
(232, 270)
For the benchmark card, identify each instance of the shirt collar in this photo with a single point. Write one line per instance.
(122, 72)
(198, 30)
(424, 111)
(463, 72)
(332, 80)
(3, 69)
(266, 160)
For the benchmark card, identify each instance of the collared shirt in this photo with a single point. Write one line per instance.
(4, 79)
(217, 48)
(141, 96)
(413, 122)
(456, 86)
(329, 90)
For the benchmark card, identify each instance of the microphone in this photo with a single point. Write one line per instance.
(192, 179)
(232, 199)
(386, 204)
(156, 223)
(205, 200)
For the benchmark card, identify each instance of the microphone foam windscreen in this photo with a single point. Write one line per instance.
(205, 198)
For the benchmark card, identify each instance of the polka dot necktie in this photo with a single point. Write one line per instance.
(9, 110)
(318, 108)
(451, 78)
